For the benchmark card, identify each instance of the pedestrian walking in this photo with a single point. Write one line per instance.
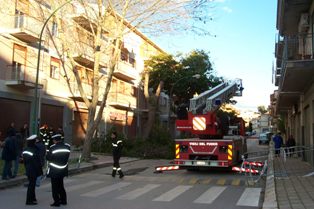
(58, 156)
(8, 155)
(278, 143)
(42, 155)
(116, 153)
(290, 145)
(33, 168)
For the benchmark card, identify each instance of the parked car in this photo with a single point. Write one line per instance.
(264, 138)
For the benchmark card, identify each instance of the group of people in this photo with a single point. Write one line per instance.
(12, 147)
(278, 143)
(48, 146)
(34, 151)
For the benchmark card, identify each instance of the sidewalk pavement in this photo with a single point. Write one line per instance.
(289, 183)
(97, 161)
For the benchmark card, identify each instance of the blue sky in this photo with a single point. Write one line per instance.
(243, 46)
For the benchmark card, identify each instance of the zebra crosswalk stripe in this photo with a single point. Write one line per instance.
(80, 186)
(172, 194)
(250, 197)
(210, 195)
(138, 192)
(106, 189)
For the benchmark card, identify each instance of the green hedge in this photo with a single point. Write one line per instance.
(158, 146)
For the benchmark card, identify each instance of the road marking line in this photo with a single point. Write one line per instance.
(221, 181)
(106, 189)
(172, 194)
(207, 181)
(193, 180)
(138, 192)
(181, 180)
(250, 197)
(80, 186)
(236, 182)
(210, 195)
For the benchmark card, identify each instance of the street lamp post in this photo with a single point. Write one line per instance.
(197, 76)
(36, 117)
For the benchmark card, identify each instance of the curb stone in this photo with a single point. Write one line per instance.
(270, 199)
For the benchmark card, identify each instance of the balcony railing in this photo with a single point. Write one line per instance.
(26, 28)
(296, 48)
(126, 71)
(87, 89)
(122, 100)
(22, 76)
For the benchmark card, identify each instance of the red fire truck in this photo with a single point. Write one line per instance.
(217, 142)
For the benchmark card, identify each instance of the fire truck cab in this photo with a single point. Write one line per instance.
(217, 143)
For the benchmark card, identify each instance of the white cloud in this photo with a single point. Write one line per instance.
(227, 9)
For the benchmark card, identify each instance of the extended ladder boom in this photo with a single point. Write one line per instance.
(211, 100)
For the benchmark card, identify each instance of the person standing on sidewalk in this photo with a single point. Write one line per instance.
(58, 157)
(278, 143)
(116, 153)
(290, 145)
(32, 167)
(8, 155)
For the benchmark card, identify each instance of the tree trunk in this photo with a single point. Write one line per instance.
(153, 103)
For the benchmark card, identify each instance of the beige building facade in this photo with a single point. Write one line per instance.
(293, 102)
(59, 101)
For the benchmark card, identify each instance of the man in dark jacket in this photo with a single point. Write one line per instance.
(42, 154)
(8, 155)
(33, 168)
(58, 156)
(116, 153)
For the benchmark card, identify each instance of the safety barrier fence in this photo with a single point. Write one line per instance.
(288, 160)
(253, 166)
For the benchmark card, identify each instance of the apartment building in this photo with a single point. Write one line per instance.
(294, 71)
(59, 101)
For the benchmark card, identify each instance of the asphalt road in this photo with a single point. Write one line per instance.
(141, 188)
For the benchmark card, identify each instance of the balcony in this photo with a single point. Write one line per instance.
(23, 78)
(289, 13)
(122, 101)
(297, 68)
(76, 93)
(84, 55)
(26, 28)
(125, 71)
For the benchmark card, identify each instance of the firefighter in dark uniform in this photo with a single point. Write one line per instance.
(57, 157)
(33, 168)
(50, 133)
(116, 153)
(43, 131)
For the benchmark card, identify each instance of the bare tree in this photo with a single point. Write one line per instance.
(107, 23)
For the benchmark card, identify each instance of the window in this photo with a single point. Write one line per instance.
(19, 19)
(19, 57)
(16, 71)
(121, 87)
(86, 75)
(89, 76)
(124, 54)
(54, 29)
(55, 68)
(132, 58)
